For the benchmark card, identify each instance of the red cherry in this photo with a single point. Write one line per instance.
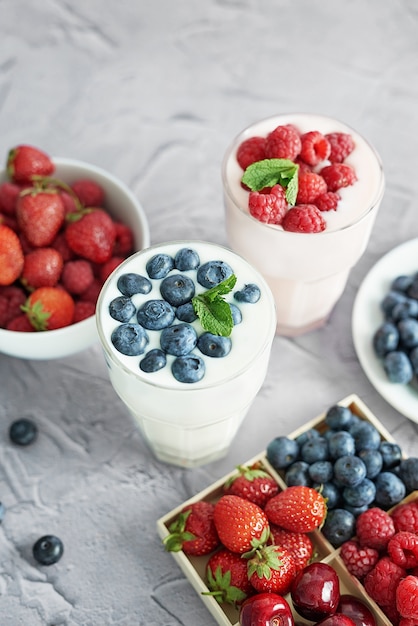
(338, 619)
(356, 609)
(265, 609)
(315, 591)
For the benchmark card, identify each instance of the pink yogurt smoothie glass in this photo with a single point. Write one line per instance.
(307, 272)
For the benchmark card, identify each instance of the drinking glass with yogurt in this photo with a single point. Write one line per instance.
(187, 387)
(307, 272)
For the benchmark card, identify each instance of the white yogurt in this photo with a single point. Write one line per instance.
(307, 272)
(192, 423)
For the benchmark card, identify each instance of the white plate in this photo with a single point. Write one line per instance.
(367, 316)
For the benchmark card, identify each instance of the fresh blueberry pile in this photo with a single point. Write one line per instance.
(395, 341)
(172, 315)
(350, 464)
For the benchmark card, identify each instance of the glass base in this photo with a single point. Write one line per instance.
(166, 457)
(295, 331)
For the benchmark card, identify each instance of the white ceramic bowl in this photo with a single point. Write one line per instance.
(121, 204)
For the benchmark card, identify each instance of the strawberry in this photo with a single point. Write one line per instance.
(77, 276)
(42, 268)
(107, 268)
(24, 162)
(241, 524)
(252, 483)
(91, 234)
(297, 508)
(11, 256)
(124, 242)
(193, 531)
(40, 215)
(272, 569)
(49, 308)
(9, 193)
(299, 545)
(90, 193)
(21, 324)
(227, 578)
(83, 310)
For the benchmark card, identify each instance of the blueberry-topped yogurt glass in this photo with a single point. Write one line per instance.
(186, 328)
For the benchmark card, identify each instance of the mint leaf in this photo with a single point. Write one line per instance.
(213, 311)
(270, 172)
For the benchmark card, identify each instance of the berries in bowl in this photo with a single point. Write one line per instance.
(64, 226)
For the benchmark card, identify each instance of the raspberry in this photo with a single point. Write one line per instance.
(381, 582)
(92, 293)
(250, 151)
(283, 143)
(83, 310)
(374, 528)
(268, 207)
(315, 147)
(11, 299)
(405, 517)
(359, 561)
(69, 202)
(327, 201)
(341, 144)
(107, 268)
(403, 549)
(338, 175)
(304, 218)
(77, 276)
(407, 598)
(310, 186)
(90, 193)
(60, 244)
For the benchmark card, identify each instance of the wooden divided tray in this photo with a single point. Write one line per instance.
(194, 567)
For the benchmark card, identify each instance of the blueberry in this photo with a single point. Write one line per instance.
(2, 512)
(185, 313)
(412, 290)
(131, 283)
(315, 450)
(130, 339)
(159, 265)
(249, 293)
(236, 314)
(398, 367)
(298, 474)
(406, 309)
(339, 417)
(186, 259)
(413, 357)
(188, 369)
(321, 471)
(391, 454)
(389, 301)
(373, 461)
(349, 470)
(408, 471)
(155, 314)
(153, 361)
(23, 431)
(366, 436)
(282, 452)
(122, 309)
(360, 495)
(408, 332)
(48, 549)
(356, 510)
(179, 339)
(309, 434)
(389, 490)
(330, 492)
(385, 339)
(339, 526)
(177, 289)
(214, 345)
(341, 444)
(212, 273)
(402, 283)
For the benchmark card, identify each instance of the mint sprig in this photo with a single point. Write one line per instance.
(270, 172)
(213, 311)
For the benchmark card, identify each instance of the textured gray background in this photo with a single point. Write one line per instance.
(154, 92)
